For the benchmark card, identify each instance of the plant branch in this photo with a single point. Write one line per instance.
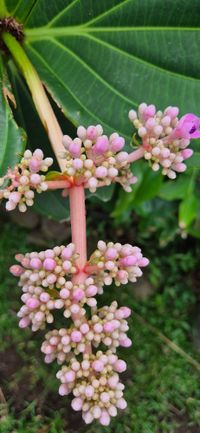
(39, 96)
(78, 223)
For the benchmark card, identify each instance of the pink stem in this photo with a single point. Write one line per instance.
(137, 154)
(78, 223)
(78, 228)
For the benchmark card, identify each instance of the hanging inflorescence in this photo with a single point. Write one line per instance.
(86, 349)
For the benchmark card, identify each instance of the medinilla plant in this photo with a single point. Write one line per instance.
(68, 46)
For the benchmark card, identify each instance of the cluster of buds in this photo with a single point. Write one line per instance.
(165, 137)
(121, 263)
(107, 326)
(45, 281)
(44, 278)
(21, 182)
(95, 385)
(94, 159)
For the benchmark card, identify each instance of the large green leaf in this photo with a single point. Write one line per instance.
(100, 58)
(12, 138)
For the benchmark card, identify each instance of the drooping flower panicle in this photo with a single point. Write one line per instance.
(47, 282)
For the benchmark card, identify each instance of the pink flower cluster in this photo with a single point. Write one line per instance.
(117, 262)
(165, 137)
(21, 182)
(95, 385)
(93, 159)
(45, 280)
(107, 326)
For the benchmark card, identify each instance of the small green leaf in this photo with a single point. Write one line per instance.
(12, 138)
(188, 210)
(194, 161)
(53, 205)
(175, 189)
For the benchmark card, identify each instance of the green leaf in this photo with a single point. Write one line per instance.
(12, 138)
(104, 193)
(188, 210)
(53, 205)
(175, 189)
(194, 161)
(19, 8)
(100, 58)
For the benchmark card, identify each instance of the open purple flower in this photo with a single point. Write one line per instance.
(187, 127)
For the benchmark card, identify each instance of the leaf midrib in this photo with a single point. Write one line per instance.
(37, 32)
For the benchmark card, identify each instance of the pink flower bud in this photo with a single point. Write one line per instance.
(104, 397)
(35, 263)
(77, 163)
(77, 404)
(187, 153)
(120, 366)
(35, 179)
(64, 293)
(117, 144)
(63, 389)
(98, 328)
(143, 262)
(92, 132)
(32, 303)
(180, 168)
(16, 270)
(24, 322)
(109, 327)
(91, 290)
(78, 294)
(49, 264)
(44, 297)
(113, 381)
(84, 328)
(15, 197)
(97, 365)
(65, 340)
(75, 309)
(67, 253)
(67, 265)
(125, 342)
(104, 418)
(121, 404)
(101, 146)
(126, 312)
(70, 376)
(75, 148)
(76, 336)
(51, 279)
(35, 165)
(128, 261)
(111, 254)
(89, 391)
(101, 172)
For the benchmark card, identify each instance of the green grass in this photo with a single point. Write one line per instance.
(162, 386)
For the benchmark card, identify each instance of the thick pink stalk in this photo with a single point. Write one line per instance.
(78, 228)
(137, 154)
(78, 223)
